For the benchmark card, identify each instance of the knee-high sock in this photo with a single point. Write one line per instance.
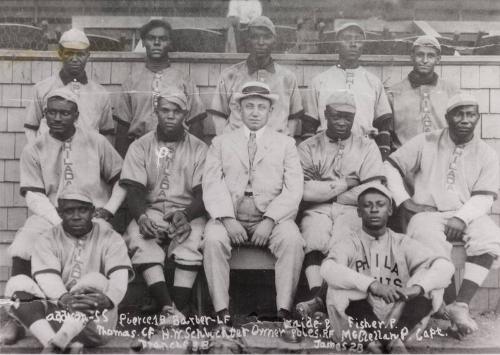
(476, 271)
(21, 266)
(157, 286)
(32, 316)
(312, 265)
(450, 292)
(42, 330)
(184, 279)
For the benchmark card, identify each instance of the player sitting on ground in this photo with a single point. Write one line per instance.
(375, 274)
(455, 178)
(162, 174)
(80, 270)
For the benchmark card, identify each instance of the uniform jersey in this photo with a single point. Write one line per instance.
(140, 91)
(94, 104)
(324, 159)
(86, 160)
(102, 250)
(446, 175)
(168, 170)
(391, 260)
(369, 95)
(419, 109)
(280, 80)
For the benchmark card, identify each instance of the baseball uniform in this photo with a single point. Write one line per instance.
(135, 107)
(419, 108)
(369, 94)
(324, 159)
(393, 259)
(79, 262)
(86, 160)
(280, 80)
(446, 176)
(94, 103)
(169, 171)
(271, 186)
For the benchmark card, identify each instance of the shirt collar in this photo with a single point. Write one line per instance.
(67, 78)
(258, 134)
(157, 67)
(253, 66)
(336, 141)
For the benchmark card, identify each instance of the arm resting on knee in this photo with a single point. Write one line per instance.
(51, 284)
(437, 276)
(40, 205)
(395, 184)
(476, 206)
(117, 286)
(340, 276)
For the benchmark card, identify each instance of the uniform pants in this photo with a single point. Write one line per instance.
(25, 238)
(325, 223)
(285, 243)
(149, 251)
(90, 335)
(481, 236)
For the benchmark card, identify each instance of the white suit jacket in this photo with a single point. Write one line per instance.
(277, 179)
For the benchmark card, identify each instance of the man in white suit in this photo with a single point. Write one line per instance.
(252, 186)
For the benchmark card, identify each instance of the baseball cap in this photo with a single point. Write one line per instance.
(63, 92)
(77, 194)
(176, 97)
(263, 21)
(74, 39)
(427, 41)
(341, 100)
(461, 99)
(347, 25)
(256, 88)
(375, 186)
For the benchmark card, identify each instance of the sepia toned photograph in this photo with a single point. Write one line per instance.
(249, 176)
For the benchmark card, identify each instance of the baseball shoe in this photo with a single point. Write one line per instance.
(171, 316)
(11, 331)
(459, 315)
(308, 308)
(375, 347)
(441, 313)
(397, 346)
(73, 348)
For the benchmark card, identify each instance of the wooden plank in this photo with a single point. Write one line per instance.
(250, 258)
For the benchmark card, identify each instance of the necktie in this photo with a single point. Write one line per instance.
(252, 147)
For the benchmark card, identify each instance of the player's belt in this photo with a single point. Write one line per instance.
(248, 193)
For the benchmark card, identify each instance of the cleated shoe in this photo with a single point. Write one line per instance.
(170, 316)
(459, 315)
(308, 308)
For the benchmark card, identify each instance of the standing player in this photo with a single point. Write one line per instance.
(162, 174)
(373, 114)
(335, 162)
(455, 181)
(93, 99)
(139, 95)
(419, 101)
(374, 273)
(252, 186)
(80, 269)
(261, 67)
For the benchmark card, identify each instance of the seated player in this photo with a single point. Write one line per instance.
(252, 186)
(336, 163)
(456, 178)
(375, 274)
(162, 174)
(68, 154)
(80, 270)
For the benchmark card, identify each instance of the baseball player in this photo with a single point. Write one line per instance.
(456, 178)
(373, 114)
(94, 100)
(375, 274)
(65, 155)
(336, 163)
(419, 100)
(252, 186)
(139, 94)
(80, 270)
(162, 174)
(259, 66)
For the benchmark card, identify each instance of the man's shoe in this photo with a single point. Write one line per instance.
(459, 315)
(397, 346)
(170, 316)
(73, 348)
(308, 308)
(11, 331)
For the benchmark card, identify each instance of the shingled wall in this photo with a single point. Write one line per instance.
(19, 70)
